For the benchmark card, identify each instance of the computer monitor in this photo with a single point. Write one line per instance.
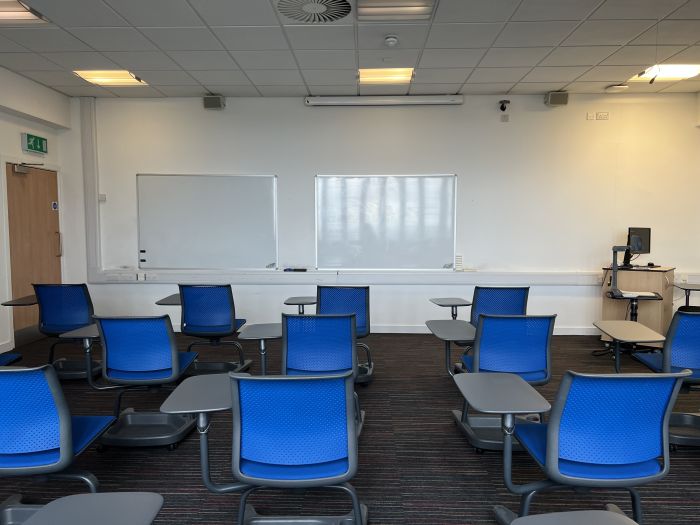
(639, 241)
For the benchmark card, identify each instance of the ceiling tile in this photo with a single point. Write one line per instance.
(690, 55)
(535, 88)
(689, 11)
(83, 91)
(338, 91)
(514, 57)
(81, 60)
(326, 59)
(251, 38)
(535, 10)
(672, 32)
(384, 90)
(182, 38)
(606, 32)
(8, 46)
(462, 36)
(56, 78)
(145, 60)
(531, 34)
(641, 55)
(226, 78)
(434, 89)
(411, 36)
(388, 58)
(555, 74)
(113, 38)
(609, 74)
(636, 9)
(441, 76)
(685, 86)
(182, 91)
(236, 13)
(318, 37)
(475, 10)
(203, 60)
(44, 39)
(449, 58)
(645, 87)
(325, 77)
(275, 77)
(157, 13)
(488, 75)
(77, 13)
(234, 91)
(136, 92)
(166, 78)
(578, 56)
(498, 88)
(27, 62)
(283, 91)
(587, 87)
(265, 59)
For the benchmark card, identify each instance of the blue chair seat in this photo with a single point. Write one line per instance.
(533, 437)
(185, 359)
(85, 430)
(655, 362)
(214, 330)
(536, 375)
(8, 359)
(294, 472)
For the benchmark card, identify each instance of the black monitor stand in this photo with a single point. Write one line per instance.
(627, 261)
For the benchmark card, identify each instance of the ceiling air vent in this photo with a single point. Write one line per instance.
(314, 11)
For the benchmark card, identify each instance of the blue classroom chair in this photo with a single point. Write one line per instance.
(38, 435)
(208, 312)
(350, 300)
(8, 358)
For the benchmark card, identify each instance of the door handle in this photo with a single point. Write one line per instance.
(60, 244)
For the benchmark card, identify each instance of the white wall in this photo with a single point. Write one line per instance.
(548, 191)
(27, 99)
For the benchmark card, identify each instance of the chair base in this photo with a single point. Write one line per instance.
(361, 423)
(253, 518)
(684, 429)
(147, 429)
(483, 431)
(14, 512)
(69, 369)
(199, 368)
(365, 374)
(505, 516)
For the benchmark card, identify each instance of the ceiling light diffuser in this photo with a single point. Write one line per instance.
(14, 12)
(667, 73)
(616, 88)
(111, 77)
(388, 10)
(389, 75)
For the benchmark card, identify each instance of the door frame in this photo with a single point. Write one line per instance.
(6, 284)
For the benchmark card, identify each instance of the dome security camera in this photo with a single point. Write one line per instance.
(503, 104)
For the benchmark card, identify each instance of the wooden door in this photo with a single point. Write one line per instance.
(35, 239)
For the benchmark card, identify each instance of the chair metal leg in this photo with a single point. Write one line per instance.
(78, 475)
(636, 506)
(242, 504)
(525, 501)
(356, 508)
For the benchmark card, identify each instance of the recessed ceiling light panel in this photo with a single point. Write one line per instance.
(394, 10)
(314, 11)
(391, 75)
(111, 77)
(667, 73)
(13, 12)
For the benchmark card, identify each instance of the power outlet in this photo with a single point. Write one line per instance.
(590, 116)
(505, 118)
(602, 115)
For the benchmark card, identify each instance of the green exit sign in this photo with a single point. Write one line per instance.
(34, 143)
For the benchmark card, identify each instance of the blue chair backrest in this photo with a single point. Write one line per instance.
(207, 306)
(498, 301)
(611, 419)
(63, 307)
(288, 421)
(682, 348)
(138, 344)
(513, 343)
(346, 300)
(34, 416)
(318, 344)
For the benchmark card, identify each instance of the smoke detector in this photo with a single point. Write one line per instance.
(314, 11)
(391, 41)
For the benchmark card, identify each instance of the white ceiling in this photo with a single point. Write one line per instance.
(245, 48)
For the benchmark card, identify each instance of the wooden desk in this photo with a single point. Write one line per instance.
(653, 314)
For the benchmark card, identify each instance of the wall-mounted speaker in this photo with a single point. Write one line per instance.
(214, 102)
(556, 98)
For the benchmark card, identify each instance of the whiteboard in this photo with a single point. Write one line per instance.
(385, 222)
(207, 221)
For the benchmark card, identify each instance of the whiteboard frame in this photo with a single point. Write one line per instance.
(380, 270)
(274, 219)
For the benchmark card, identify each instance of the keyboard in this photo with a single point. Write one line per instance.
(631, 295)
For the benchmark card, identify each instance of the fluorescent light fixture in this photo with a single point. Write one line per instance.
(408, 100)
(616, 88)
(667, 73)
(111, 77)
(388, 75)
(14, 12)
(388, 10)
